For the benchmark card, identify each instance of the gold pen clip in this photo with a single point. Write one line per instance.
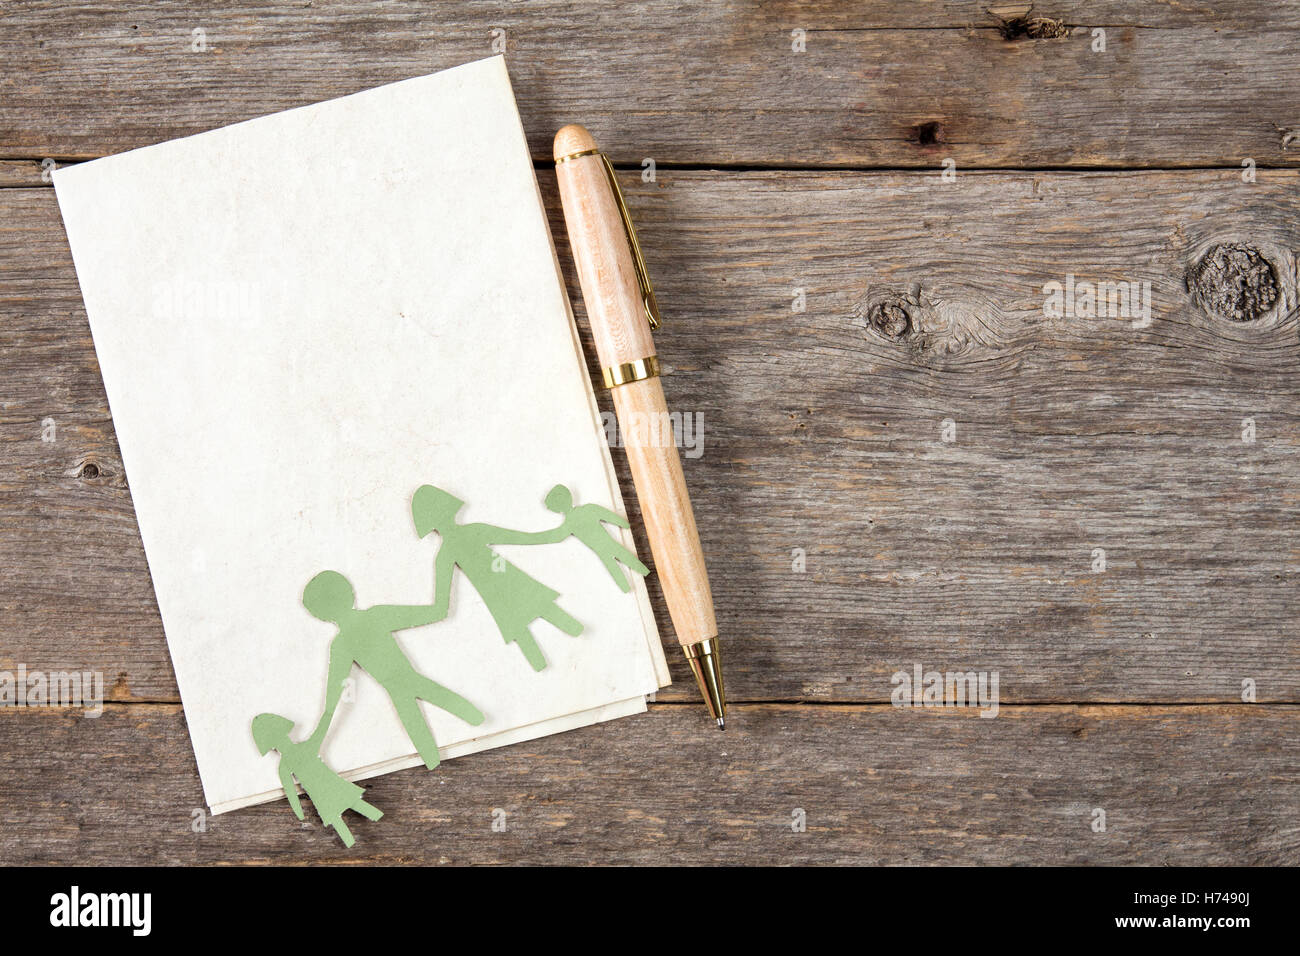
(638, 261)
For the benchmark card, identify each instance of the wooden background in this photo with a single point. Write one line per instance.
(776, 171)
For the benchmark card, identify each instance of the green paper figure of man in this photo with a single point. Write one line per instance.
(365, 637)
(330, 794)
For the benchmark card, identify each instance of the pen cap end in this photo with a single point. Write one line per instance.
(572, 139)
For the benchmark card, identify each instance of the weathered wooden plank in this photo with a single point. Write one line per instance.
(891, 84)
(823, 432)
(879, 785)
(24, 172)
(1096, 434)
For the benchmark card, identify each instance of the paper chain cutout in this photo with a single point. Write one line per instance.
(365, 635)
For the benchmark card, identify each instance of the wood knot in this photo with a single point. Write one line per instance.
(121, 689)
(888, 313)
(1234, 281)
(928, 134)
(890, 319)
(1017, 24)
(966, 329)
(91, 468)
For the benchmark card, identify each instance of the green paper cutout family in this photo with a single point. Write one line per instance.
(366, 635)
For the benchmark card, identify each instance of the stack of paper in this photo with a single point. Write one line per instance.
(302, 318)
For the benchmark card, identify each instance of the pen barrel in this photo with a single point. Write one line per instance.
(621, 331)
(648, 440)
(604, 260)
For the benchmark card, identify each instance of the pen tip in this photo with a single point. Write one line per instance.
(722, 724)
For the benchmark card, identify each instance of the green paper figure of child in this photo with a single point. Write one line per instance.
(330, 794)
(513, 598)
(584, 523)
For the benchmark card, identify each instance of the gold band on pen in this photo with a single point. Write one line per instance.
(637, 371)
(578, 155)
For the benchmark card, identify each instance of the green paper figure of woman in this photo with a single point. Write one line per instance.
(330, 794)
(365, 637)
(584, 523)
(513, 598)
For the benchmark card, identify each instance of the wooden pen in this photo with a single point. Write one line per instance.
(622, 310)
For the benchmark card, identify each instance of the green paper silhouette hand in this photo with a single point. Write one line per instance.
(365, 637)
(513, 598)
(584, 523)
(330, 794)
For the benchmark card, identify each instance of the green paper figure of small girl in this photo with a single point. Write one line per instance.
(513, 598)
(365, 637)
(584, 523)
(330, 794)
